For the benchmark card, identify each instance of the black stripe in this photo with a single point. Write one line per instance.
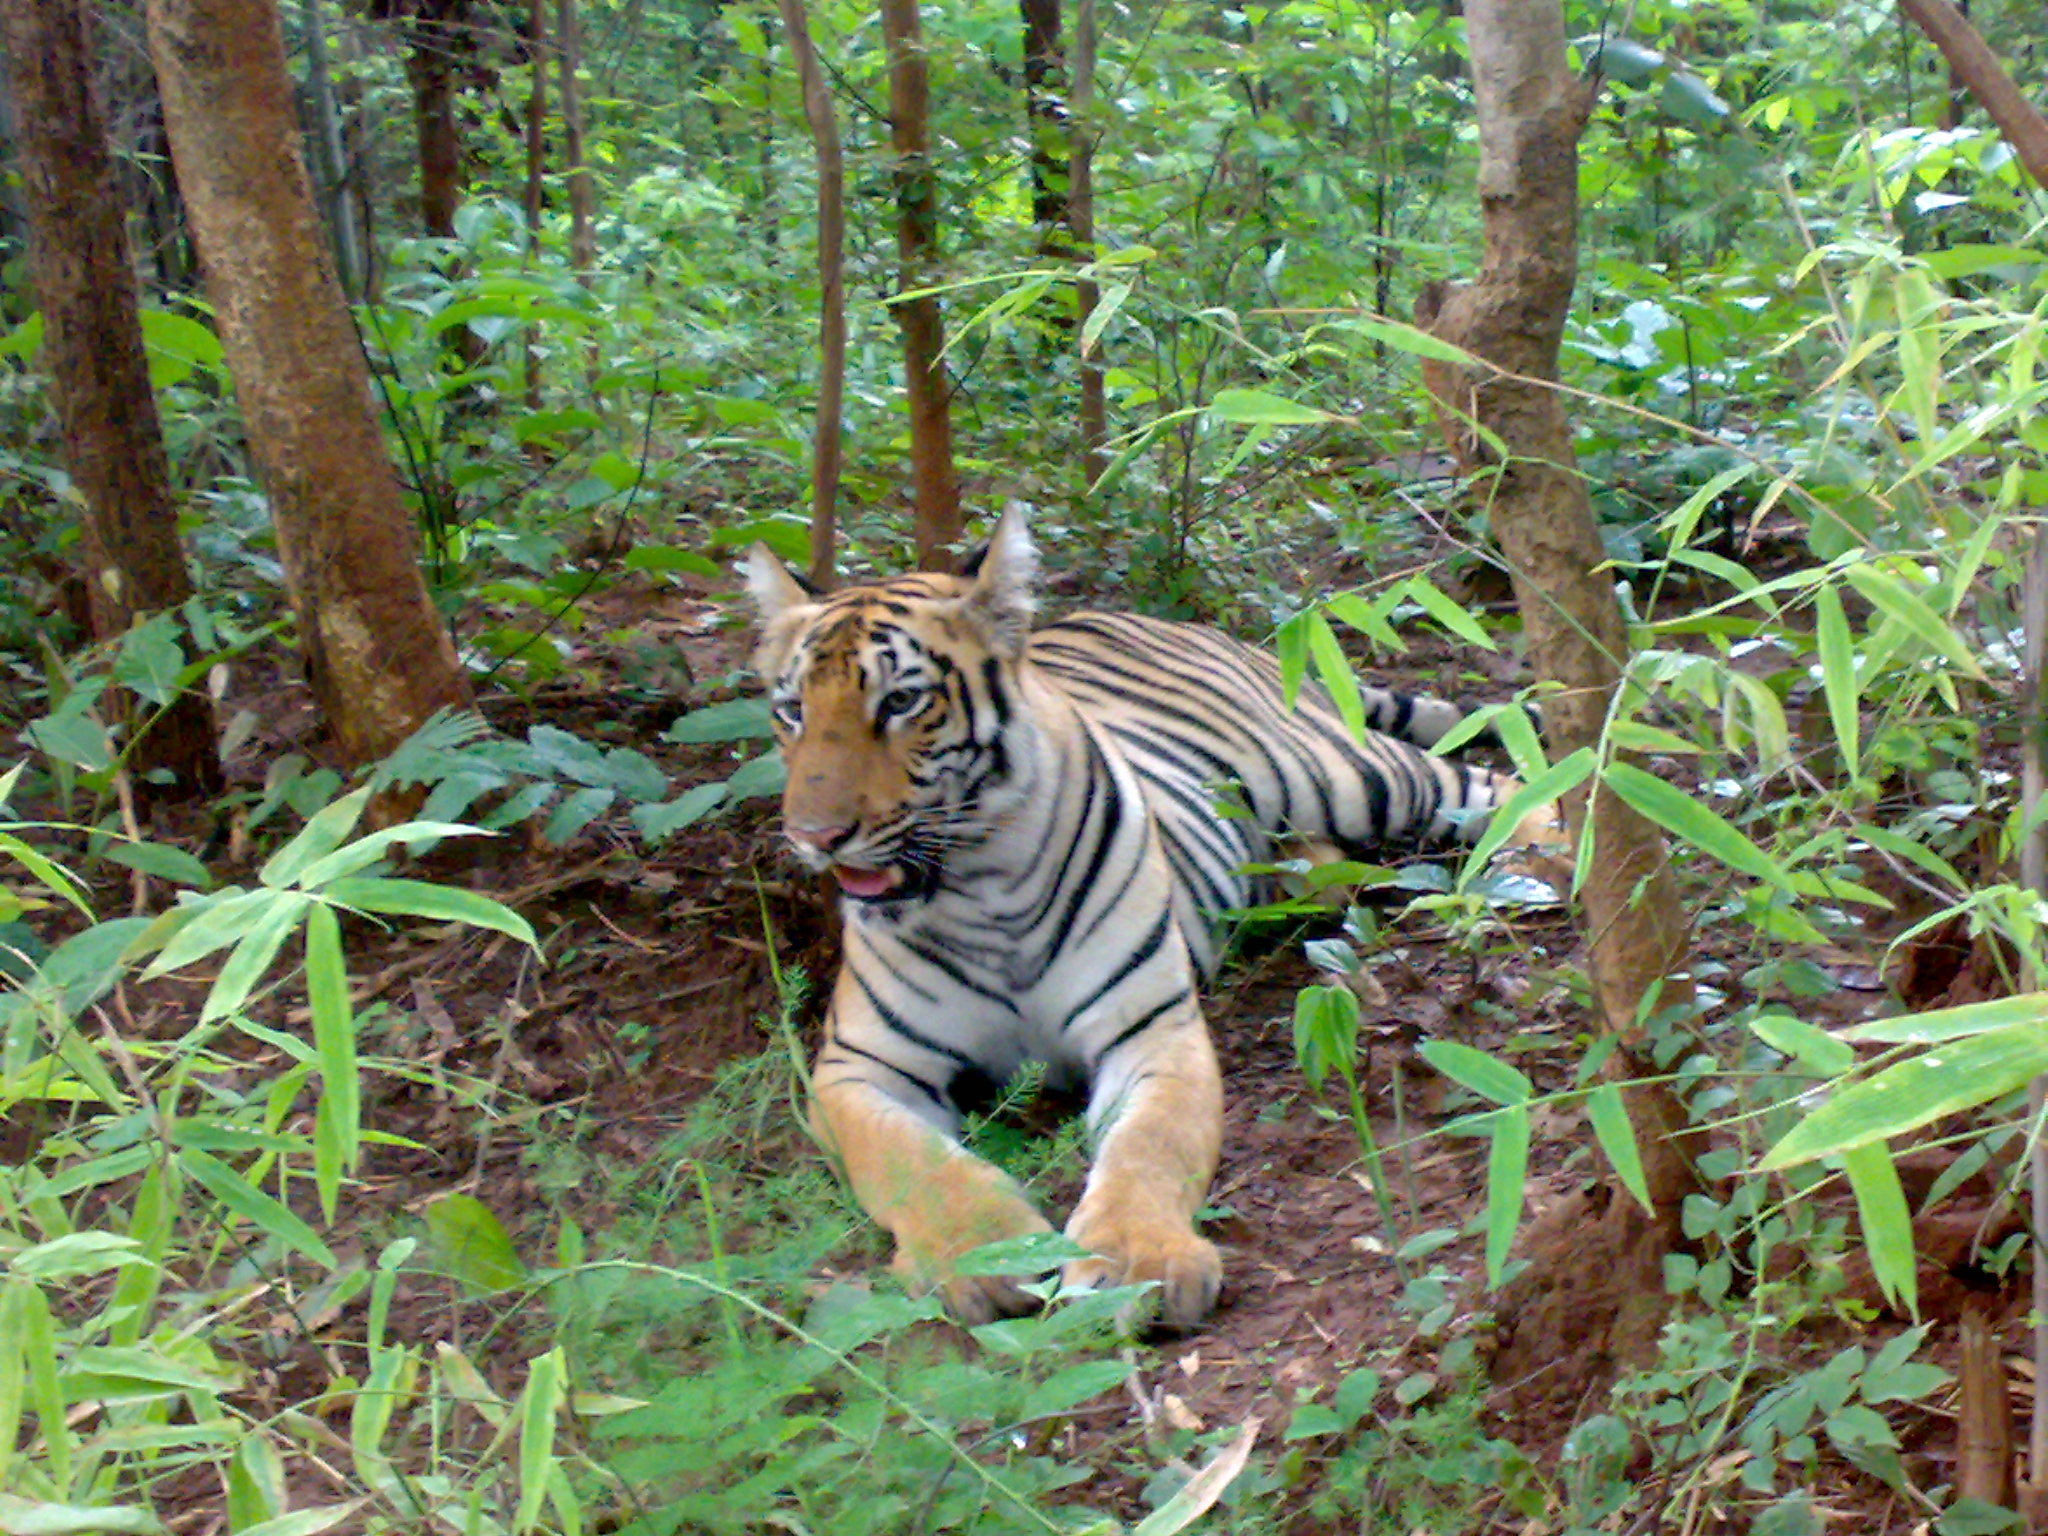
(1137, 1027)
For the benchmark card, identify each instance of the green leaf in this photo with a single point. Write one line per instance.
(326, 831)
(339, 1117)
(33, 1517)
(177, 344)
(1838, 676)
(746, 719)
(1452, 616)
(474, 1246)
(163, 861)
(1678, 813)
(252, 956)
(75, 739)
(1894, 1376)
(1507, 1177)
(1549, 786)
(538, 1405)
(1490, 1079)
(1261, 408)
(151, 660)
(1400, 336)
(1896, 601)
(52, 876)
(1075, 1384)
(254, 1206)
(1941, 1024)
(1335, 673)
(303, 1522)
(437, 903)
(656, 822)
(365, 851)
(1814, 1048)
(1607, 1113)
(1947, 1078)
(758, 777)
(1887, 1224)
(657, 557)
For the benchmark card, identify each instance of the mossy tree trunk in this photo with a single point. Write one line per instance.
(377, 654)
(92, 344)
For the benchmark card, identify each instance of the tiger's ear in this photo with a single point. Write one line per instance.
(1004, 576)
(776, 588)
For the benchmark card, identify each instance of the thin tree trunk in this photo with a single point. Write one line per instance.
(1081, 218)
(582, 206)
(1531, 112)
(92, 342)
(430, 71)
(1046, 121)
(377, 654)
(334, 196)
(536, 174)
(935, 487)
(826, 439)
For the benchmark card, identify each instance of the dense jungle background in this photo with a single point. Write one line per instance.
(408, 1000)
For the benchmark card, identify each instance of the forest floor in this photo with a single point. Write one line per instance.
(661, 976)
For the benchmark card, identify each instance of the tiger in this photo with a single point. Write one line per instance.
(1025, 831)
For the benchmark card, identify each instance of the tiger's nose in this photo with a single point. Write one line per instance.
(824, 839)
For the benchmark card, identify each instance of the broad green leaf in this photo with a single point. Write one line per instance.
(75, 739)
(757, 777)
(52, 876)
(1607, 1113)
(1488, 1078)
(474, 1245)
(1507, 1176)
(1368, 617)
(1685, 818)
(151, 661)
(33, 1517)
(76, 1254)
(163, 861)
(221, 919)
(1074, 1385)
(1952, 1076)
(94, 1368)
(1887, 1224)
(659, 557)
(744, 719)
(421, 898)
(254, 1206)
(1838, 676)
(656, 822)
(1400, 336)
(1261, 408)
(304, 1522)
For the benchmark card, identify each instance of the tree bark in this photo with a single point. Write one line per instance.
(92, 343)
(377, 654)
(1981, 72)
(935, 487)
(582, 203)
(1045, 115)
(826, 439)
(1081, 220)
(536, 174)
(430, 71)
(1531, 112)
(327, 146)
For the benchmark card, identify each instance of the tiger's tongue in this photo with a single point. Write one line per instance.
(867, 882)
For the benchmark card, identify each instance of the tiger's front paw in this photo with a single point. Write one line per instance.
(1188, 1269)
(931, 1262)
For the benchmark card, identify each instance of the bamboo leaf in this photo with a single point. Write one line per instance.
(254, 1206)
(1507, 1173)
(538, 1405)
(1887, 1224)
(1691, 822)
(1474, 1069)
(339, 1117)
(1607, 1113)
(1911, 612)
(1333, 669)
(418, 898)
(1451, 615)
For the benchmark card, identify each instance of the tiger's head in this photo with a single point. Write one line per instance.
(895, 706)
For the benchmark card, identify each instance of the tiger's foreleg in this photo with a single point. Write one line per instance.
(1156, 1107)
(936, 1198)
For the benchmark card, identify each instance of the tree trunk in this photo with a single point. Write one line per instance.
(92, 342)
(582, 209)
(1531, 112)
(377, 654)
(327, 147)
(430, 70)
(1081, 219)
(825, 442)
(536, 174)
(1046, 121)
(935, 488)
